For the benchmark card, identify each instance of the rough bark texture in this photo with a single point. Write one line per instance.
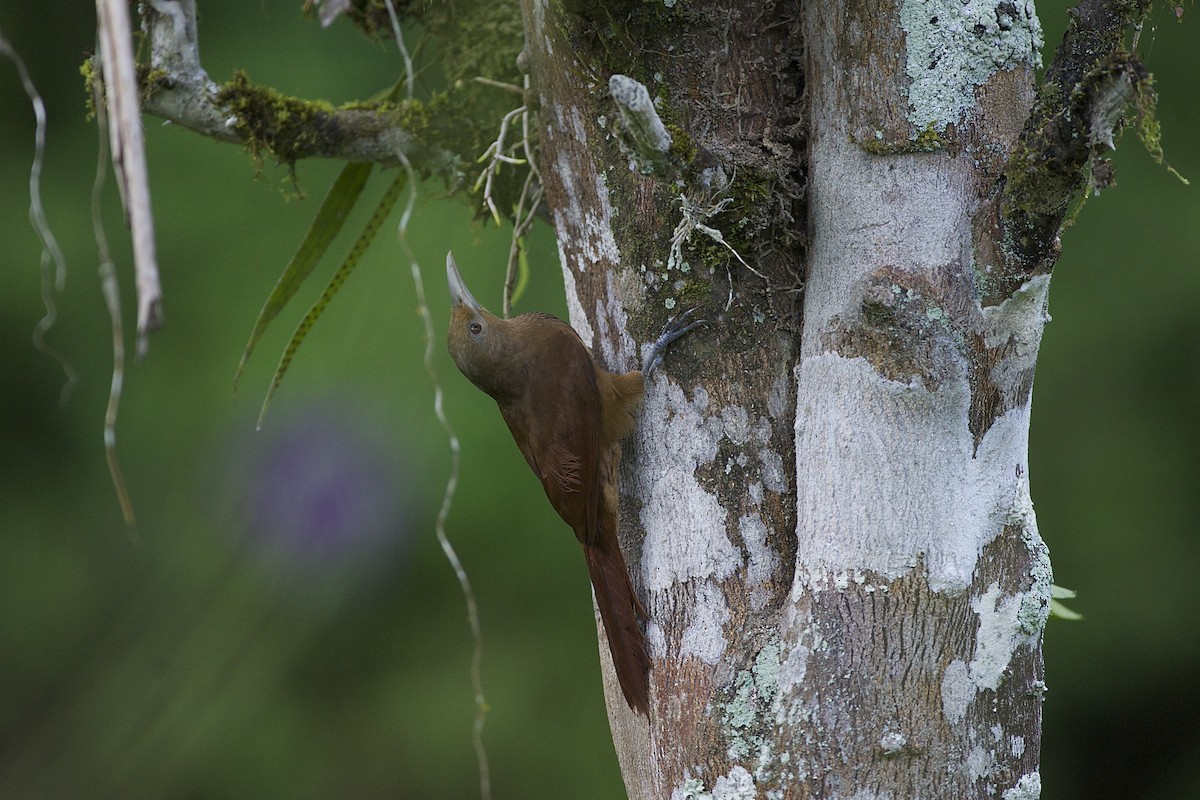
(871, 622)
(708, 506)
(913, 660)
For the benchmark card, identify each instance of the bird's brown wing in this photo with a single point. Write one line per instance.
(556, 424)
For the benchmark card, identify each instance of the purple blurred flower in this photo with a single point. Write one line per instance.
(323, 485)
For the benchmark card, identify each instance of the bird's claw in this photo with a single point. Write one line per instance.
(676, 327)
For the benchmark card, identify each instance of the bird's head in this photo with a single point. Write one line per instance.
(480, 343)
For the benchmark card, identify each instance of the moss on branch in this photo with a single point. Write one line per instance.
(1080, 111)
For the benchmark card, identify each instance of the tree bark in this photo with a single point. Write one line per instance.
(827, 512)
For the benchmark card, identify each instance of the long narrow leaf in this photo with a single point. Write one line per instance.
(335, 283)
(328, 222)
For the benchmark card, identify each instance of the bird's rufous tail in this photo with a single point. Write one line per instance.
(622, 613)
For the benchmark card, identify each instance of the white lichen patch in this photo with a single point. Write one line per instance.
(704, 636)
(895, 479)
(795, 666)
(1035, 601)
(793, 670)
(616, 343)
(575, 313)
(598, 245)
(1017, 322)
(737, 424)
(686, 534)
(901, 212)
(737, 785)
(686, 540)
(892, 742)
(980, 763)
(954, 46)
(684, 523)
(957, 690)
(570, 212)
(771, 469)
(997, 637)
(1000, 632)
(746, 716)
(1029, 787)
(761, 561)
(1021, 317)
(584, 226)
(691, 789)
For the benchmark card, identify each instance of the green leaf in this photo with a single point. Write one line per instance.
(329, 220)
(335, 283)
(1057, 609)
(1060, 593)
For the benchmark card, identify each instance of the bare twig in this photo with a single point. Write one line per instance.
(129, 158)
(495, 155)
(110, 288)
(508, 87)
(500, 152)
(524, 216)
(646, 132)
(693, 220)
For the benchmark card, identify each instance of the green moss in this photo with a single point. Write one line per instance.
(1148, 129)
(694, 293)
(1041, 181)
(616, 32)
(742, 222)
(927, 140)
(475, 37)
(1034, 183)
(149, 82)
(447, 131)
(88, 70)
(273, 123)
(683, 147)
(478, 38)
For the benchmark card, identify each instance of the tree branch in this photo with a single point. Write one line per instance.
(1079, 106)
(646, 134)
(129, 159)
(176, 87)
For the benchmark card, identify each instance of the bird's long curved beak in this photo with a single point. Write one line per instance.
(459, 293)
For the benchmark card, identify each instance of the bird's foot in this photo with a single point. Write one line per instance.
(677, 326)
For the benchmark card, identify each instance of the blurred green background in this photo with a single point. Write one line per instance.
(287, 626)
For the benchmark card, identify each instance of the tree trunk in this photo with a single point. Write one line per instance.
(826, 504)
(825, 507)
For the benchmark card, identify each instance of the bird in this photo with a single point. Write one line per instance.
(568, 416)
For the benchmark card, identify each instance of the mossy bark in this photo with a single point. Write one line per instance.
(729, 86)
(867, 617)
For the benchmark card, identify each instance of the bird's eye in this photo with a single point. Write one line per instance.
(475, 328)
